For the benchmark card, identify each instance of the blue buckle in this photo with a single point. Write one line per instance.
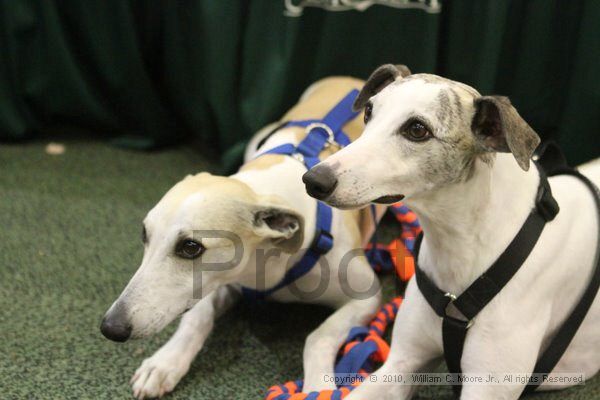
(319, 136)
(322, 243)
(324, 128)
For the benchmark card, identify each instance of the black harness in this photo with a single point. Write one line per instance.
(491, 282)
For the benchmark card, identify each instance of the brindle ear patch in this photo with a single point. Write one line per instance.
(498, 127)
(378, 80)
(403, 70)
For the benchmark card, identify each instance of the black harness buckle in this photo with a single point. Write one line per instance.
(546, 204)
(464, 323)
(459, 323)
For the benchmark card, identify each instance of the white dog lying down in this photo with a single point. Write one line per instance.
(434, 142)
(266, 207)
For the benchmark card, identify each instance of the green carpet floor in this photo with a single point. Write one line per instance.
(69, 242)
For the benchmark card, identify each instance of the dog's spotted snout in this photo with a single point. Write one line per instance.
(114, 325)
(320, 182)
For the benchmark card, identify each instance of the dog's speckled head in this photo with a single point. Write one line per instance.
(422, 132)
(192, 240)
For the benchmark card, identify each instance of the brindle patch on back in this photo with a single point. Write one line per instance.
(317, 101)
(322, 97)
(264, 162)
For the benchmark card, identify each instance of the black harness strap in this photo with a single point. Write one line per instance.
(567, 331)
(491, 282)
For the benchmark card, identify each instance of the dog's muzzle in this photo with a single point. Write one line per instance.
(320, 182)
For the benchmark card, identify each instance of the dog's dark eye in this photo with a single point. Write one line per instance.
(144, 235)
(189, 249)
(417, 132)
(368, 111)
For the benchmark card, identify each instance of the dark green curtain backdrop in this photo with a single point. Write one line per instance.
(151, 73)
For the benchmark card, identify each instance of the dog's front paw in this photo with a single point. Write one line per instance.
(157, 376)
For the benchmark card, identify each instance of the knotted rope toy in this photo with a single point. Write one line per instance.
(365, 347)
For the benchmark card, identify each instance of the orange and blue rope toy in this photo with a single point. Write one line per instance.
(365, 346)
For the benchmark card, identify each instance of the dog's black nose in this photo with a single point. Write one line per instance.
(320, 182)
(114, 328)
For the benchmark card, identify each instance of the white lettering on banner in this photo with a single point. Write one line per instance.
(294, 8)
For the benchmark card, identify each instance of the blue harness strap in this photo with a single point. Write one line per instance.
(320, 135)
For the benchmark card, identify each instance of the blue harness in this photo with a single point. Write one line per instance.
(320, 135)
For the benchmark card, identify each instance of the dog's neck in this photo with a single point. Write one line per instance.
(469, 224)
(282, 179)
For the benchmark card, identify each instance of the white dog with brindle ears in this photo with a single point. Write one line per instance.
(266, 207)
(446, 150)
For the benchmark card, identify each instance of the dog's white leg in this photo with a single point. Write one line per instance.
(416, 347)
(322, 345)
(499, 349)
(164, 369)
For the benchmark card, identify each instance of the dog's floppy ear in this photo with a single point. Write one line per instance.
(499, 127)
(283, 226)
(379, 79)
